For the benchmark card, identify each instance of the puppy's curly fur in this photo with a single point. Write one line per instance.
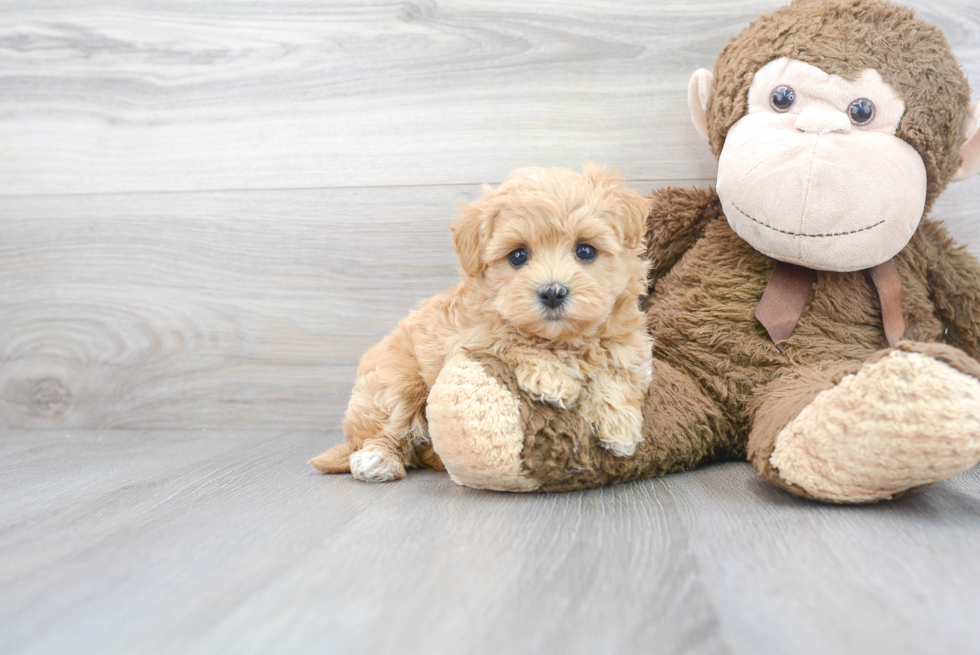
(565, 317)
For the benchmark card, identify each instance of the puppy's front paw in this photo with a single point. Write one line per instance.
(376, 465)
(548, 381)
(619, 429)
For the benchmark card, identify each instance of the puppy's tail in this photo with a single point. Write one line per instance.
(335, 460)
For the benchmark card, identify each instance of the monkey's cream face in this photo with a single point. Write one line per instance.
(814, 175)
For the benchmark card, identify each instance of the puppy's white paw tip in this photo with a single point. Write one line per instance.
(371, 465)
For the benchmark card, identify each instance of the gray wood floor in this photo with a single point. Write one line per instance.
(205, 542)
(208, 211)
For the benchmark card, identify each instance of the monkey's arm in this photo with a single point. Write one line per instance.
(954, 279)
(677, 218)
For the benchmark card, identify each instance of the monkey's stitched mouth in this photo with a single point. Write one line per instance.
(804, 234)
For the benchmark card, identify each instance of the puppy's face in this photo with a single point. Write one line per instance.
(554, 251)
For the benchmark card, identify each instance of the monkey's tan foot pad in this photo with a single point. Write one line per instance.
(476, 428)
(906, 420)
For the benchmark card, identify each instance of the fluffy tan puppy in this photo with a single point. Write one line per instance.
(552, 275)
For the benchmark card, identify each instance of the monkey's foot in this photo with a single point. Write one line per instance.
(901, 422)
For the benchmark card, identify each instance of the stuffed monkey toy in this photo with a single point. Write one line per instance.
(807, 315)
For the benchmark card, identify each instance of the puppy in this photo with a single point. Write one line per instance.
(552, 273)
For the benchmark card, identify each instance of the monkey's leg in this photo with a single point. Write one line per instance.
(490, 434)
(858, 432)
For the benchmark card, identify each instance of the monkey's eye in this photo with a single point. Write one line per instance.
(518, 257)
(861, 111)
(585, 252)
(783, 98)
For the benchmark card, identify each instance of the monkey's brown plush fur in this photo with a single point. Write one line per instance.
(838, 415)
(718, 381)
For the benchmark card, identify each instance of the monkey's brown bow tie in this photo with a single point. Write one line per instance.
(789, 288)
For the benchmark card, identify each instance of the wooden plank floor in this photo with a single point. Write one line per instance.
(208, 211)
(123, 541)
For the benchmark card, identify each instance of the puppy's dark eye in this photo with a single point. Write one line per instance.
(585, 252)
(783, 98)
(861, 111)
(518, 257)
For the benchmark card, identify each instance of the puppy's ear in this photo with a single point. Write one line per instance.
(600, 176)
(634, 211)
(468, 237)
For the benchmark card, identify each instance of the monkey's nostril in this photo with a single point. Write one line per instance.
(552, 295)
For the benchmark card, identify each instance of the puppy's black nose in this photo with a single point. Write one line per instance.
(553, 295)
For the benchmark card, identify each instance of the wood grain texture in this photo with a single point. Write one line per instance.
(208, 309)
(215, 309)
(219, 290)
(188, 309)
(208, 211)
(898, 577)
(176, 542)
(164, 96)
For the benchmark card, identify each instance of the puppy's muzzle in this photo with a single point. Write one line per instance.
(552, 295)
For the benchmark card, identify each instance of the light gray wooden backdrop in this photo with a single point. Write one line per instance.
(209, 210)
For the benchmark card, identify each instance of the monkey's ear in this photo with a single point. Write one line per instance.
(697, 98)
(971, 149)
(468, 238)
(636, 208)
